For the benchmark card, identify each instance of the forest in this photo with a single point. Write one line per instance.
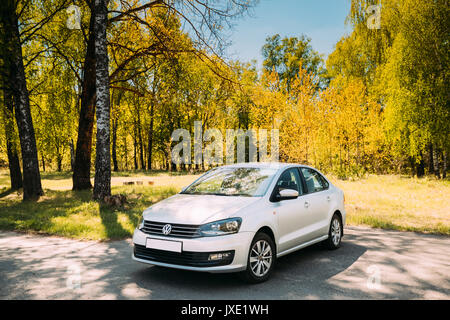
(97, 86)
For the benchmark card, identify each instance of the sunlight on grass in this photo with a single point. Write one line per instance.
(399, 203)
(74, 214)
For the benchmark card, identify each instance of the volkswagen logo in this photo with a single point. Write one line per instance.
(167, 229)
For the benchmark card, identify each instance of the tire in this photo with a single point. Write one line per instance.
(335, 233)
(258, 270)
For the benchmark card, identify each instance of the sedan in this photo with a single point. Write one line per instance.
(241, 218)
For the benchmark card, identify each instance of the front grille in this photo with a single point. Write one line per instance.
(178, 230)
(186, 258)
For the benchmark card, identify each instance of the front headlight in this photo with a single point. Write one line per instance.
(220, 228)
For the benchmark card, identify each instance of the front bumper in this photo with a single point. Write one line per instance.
(239, 243)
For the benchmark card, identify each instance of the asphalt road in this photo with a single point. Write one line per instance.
(371, 264)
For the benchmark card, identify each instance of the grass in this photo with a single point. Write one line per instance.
(73, 214)
(389, 202)
(398, 203)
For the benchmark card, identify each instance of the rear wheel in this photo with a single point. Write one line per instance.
(261, 259)
(335, 233)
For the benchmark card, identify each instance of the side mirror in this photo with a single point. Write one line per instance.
(288, 194)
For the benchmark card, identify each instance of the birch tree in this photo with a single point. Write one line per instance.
(102, 182)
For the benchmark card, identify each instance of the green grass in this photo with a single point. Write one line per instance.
(388, 202)
(73, 213)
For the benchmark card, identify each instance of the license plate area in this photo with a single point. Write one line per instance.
(166, 245)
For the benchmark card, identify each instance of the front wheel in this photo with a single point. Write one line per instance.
(261, 259)
(335, 233)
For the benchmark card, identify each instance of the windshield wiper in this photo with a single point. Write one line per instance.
(219, 194)
(232, 194)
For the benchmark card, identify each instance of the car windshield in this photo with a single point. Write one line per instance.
(232, 181)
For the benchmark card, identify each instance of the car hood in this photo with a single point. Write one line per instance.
(196, 209)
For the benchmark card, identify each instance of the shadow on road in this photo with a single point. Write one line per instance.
(412, 266)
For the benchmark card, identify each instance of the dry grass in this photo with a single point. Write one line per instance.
(399, 203)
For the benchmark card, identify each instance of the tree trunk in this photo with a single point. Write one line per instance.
(444, 165)
(166, 159)
(430, 159)
(102, 182)
(135, 148)
(141, 146)
(59, 162)
(32, 188)
(420, 168)
(436, 162)
(72, 155)
(82, 166)
(114, 145)
(150, 129)
(115, 125)
(139, 135)
(11, 143)
(150, 139)
(43, 162)
(58, 159)
(125, 146)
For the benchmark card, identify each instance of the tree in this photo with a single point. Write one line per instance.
(288, 55)
(82, 164)
(211, 20)
(416, 74)
(13, 61)
(102, 182)
(404, 66)
(11, 141)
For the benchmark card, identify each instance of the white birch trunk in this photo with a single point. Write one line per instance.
(102, 182)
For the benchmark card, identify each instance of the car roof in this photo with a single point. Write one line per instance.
(264, 165)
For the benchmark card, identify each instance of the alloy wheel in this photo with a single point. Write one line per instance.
(261, 258)
(336, 232)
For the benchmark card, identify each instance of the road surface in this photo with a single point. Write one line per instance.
(371, 264)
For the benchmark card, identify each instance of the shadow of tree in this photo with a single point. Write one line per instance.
(7, 192)
(113, 229)
(55, 175)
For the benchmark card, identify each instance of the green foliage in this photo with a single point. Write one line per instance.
(379, 106)
(405, 68)
(288, 55)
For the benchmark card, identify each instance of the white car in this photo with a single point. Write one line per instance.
(240, 218)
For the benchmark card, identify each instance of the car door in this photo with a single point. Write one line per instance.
(292, 215)
(317, 201)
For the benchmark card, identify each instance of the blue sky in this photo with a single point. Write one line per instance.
(321, 20)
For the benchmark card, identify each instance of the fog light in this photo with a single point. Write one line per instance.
(219, 256)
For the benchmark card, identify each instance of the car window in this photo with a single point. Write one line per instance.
(290, 179)
(314, 181)
(325, 183)
(233, 181)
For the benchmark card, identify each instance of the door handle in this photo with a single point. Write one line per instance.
(306, 204)
(328, 198)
